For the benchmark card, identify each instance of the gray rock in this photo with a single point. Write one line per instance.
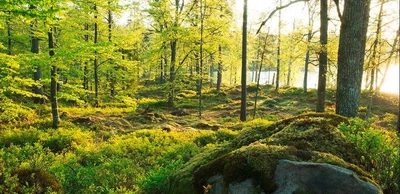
(319, 178)
(244, 187)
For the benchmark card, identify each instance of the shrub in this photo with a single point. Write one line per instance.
(382, 148)
(12, 113)
(19, 136)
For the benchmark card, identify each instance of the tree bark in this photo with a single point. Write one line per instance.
(95, 62)
(353, 33)
(112, 73)
(200, 79)
(53, 83)
(278, 61)
(171, 97)
(85, 67)
(323, 57)
(35, 48)
(219, 75)
(374, 61)
(307, 59)
(244, 65)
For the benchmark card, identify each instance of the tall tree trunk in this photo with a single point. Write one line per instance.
(112, 73)
(53, 83)
(259, 75)
(37, 75)
(171, 97)
(85, 67)
(96, 63)
(353, 35)
(307, 59)
(200, 79)
(244, 64)
(323, 57)
(374, 61)
(219, 75)
(278, 61)
(162, 69)
(35, 48)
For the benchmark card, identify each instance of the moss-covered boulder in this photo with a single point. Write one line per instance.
(255, 153)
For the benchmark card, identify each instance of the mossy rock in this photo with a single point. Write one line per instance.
(37, 180)
(253, 134)
(258, 162)
(255, 152)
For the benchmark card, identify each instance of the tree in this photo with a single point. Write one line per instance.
(263, 43)
(278, 57)
(244, 65)
(323, 56)
(35, 48)
(53, 82)
(353, 33)
(311, 12)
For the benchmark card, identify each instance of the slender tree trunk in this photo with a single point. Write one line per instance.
(171, 96)
(200, 79)
(219, 75)
(85, 68)
(306, 62)
(307, 59)
(374, 61)
(244, 64)
(323, 57)
(37, 75)
(53, 83)
(162, 70)
(353, 35)
(212, 74)
(278, 65)
(95, 63)
(259, 75)
(112, 73)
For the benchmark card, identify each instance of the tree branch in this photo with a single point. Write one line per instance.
(338, 9)
(277, 9)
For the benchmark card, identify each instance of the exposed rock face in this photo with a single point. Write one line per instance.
(319, 178)
(217, 186)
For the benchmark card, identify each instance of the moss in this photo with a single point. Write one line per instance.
(250, 135)
(316, 135)
(40, 180)
(256, 151)
(182, 182)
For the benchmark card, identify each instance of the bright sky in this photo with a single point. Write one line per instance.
(258, 10)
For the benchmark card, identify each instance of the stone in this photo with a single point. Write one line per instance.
(216, 184)
(306, 177)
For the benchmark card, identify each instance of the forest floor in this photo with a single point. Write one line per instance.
(137, 144)
(220, 109)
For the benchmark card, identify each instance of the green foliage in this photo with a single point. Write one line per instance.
(19, 137)
(381, 148)
(11, 112)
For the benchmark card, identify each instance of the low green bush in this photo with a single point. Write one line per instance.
(382, 147)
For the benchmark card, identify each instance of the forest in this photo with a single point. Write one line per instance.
(162, 96)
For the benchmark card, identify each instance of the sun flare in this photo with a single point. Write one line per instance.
(391, 83)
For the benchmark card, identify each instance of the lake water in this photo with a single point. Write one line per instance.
(390, 85)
